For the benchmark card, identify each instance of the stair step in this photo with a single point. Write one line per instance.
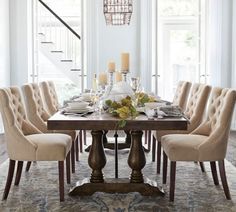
(57, 51)
(75, 69)
(47, 42)
(66, 60)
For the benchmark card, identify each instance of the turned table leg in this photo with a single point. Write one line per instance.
(97, 161)
(136, 159)
(97, 158)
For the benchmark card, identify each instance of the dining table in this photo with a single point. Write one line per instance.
(96, 123)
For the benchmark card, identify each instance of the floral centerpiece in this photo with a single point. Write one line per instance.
(123, 109)
(142, 98)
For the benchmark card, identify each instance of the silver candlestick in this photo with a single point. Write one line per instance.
(124, 75)
(111, 81)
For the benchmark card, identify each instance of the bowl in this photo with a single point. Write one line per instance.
(78, 105)
(86, 97)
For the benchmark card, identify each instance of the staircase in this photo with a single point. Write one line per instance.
(60, 43)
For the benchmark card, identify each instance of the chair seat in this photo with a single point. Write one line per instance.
(158, 134)
(182, 147)
(72, 133)
(51, 147)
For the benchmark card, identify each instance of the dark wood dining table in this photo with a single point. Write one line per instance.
(96, 123)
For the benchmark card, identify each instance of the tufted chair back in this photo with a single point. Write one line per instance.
(194, 111)
(217, 123)
(181, 94)
(16, 125)
(197, 104)
(50, 96)
(34, 106)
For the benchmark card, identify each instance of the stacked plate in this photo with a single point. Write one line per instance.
(78, 107)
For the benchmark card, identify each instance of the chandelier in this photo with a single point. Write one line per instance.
(117, 12)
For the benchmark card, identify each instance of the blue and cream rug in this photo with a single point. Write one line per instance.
(195, 191)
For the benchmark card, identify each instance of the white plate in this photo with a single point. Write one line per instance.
(84, 110)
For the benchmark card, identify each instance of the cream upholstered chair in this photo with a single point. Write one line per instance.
(38, 115)
(52, 105)
(26, 143)
(194, 112)
(207, 143)
(50, 96)
(180, 99)
(181, 94)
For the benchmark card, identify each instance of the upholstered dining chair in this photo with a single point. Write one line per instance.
(52, 105)
(38, 115)
(180, 99)
(50, 96)
(206, 143)
(194, 112)
(26, 143)
(181, 94)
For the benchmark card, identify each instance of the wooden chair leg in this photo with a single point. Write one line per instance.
(77, 148)
(9, 179)
(224, 179)
(85, 139)
(81, 141)
(153, 148)
(164, 172)
(172, 180)
(158, 157)
(202, 166)
(149, 139)
(18, 172)
(61, 179)
(72, 153)
(214, 172)
(28, 166)
(145, 134)
(68, 168)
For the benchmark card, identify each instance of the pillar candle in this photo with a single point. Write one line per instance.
(125, 62)
(102, 79)
(111, 67)
(118, 76)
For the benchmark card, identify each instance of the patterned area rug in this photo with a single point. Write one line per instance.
(195, 191)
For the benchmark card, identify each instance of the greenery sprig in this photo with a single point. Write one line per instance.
(143, 98)
(123, 109)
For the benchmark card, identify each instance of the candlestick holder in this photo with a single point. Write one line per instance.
(103, 87)
(111, 80)
(124, 75)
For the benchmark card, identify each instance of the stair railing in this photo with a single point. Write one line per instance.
(63, 36)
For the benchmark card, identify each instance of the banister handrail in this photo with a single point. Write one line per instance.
(57, 17)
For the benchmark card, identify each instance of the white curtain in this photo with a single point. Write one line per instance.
(219, 42)
(233, 76)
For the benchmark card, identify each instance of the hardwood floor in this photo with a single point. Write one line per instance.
(231, 152)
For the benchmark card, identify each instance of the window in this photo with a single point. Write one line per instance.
(180, 45)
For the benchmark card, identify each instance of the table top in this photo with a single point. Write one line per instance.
(106, 121)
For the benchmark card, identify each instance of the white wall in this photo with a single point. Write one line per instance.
(4, 44)
(106, 43)
(4, 48)
(20, 40)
